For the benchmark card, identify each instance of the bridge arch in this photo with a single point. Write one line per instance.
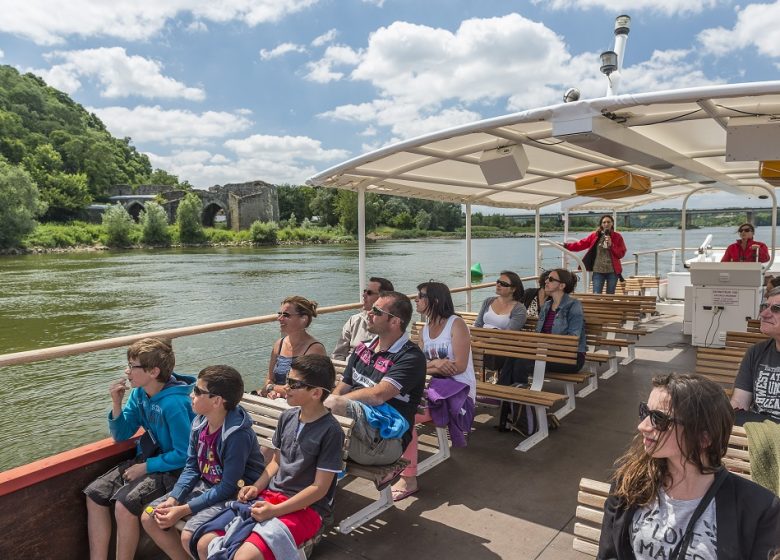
(135, 208)
(212, 212)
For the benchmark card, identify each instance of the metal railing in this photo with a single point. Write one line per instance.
(655, 253)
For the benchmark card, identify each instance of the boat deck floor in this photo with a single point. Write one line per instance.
(489, 501)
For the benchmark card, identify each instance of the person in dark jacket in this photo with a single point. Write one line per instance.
(671, 495)
(605, 249)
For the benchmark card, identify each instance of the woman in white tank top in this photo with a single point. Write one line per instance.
(446, 343)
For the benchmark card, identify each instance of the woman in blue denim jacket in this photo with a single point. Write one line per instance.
(560, 314)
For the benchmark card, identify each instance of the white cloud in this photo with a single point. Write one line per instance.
(432, 78)
(276, 159)
(197, 26)
(377, 3)
(667, 7)
(325, 38)
(321, 71)
(119, 74)
(2, 54)
(175, 126)
(281, 50)
(49, 23)
(757, 25)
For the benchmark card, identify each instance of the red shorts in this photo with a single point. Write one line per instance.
(303, 524)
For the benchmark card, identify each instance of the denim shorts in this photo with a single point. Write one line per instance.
(134, 495)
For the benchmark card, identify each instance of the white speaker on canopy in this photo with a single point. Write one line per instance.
(504, 164)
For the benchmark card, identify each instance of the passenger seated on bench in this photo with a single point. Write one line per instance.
(559, 314)
(504, 311)
(447, 347)
(295, 491)
(294, 316)
(223, 454)
(389, 369)
(756, 394)
(673, 476)
(355, 330)
(159, 403)
(534, 298)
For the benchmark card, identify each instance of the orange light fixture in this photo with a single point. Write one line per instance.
(611, 184)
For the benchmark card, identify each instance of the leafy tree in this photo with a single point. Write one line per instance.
(323, 205)
(20, 204)
(188, 218)
(404, 220)
(154, 221)
(422, 220)
(162, 177)
(292, 222)
(346, 208)
(118, 224)
(294, 200)
(263, 232)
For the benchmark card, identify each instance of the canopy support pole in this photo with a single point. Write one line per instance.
(361, 208)
(537, 252)
(468, 255)
(564, 256)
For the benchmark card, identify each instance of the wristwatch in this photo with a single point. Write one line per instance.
(268, 389)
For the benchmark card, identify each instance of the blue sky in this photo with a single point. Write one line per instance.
(220, 91)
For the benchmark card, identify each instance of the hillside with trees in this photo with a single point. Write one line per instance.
(67, 151)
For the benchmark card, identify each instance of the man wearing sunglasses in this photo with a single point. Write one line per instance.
(756, 394)
(390, 369)
(355, 330)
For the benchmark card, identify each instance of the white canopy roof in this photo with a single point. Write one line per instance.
(677, 138)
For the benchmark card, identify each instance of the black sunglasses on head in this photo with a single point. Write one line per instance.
(660, 420)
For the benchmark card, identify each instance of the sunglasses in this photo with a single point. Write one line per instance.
(370, 292)
(200, 392)
(745, 230)
(286, 315)
(551, 279)
(774, 307)
(422, 295)
(298, 384)
(378, 312)
(660, 420)
(503, 284)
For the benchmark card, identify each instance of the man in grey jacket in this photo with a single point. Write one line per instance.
(355, 330)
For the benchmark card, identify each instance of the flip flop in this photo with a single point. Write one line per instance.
(399, 495)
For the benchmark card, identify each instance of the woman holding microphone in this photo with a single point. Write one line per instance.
(605, 249)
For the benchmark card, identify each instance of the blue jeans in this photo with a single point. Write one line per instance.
(599, 278)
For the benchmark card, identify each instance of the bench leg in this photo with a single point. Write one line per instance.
(630, 357)
(613, 366)
(384, 502)
(593, 384)
(541, 419)
(440, 456)
(570, 402)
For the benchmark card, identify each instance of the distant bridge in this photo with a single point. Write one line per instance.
(624, 218)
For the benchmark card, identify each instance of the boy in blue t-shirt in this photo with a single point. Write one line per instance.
(223, 453)
(296, 489)
(160, 404)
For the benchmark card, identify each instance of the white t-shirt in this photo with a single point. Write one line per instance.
(441, 348)
(656, 529)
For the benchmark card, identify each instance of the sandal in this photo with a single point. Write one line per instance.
(399, 495)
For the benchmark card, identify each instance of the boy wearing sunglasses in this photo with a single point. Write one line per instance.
(159, 403)
(296, 490)
(223, 454)
(355, 330)
(756, 394)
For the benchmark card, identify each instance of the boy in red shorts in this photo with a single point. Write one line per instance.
(285, 506)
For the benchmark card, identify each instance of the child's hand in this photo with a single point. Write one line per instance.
(134, 471)
(117, 389)
(167, 516)
(247, 493)
(263, 510)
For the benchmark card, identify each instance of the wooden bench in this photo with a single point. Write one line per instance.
(593, 494)
(721, 365)
(743, 340)
(754, 325)
(539, 347)
(638, 285)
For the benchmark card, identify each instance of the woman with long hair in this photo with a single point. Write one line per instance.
(605, 249)
(671, 495)
(534, 298)
(505, 310)
(294, 316)
(446, 343)
(746, 249)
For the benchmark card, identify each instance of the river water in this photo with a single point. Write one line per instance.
(53, 299)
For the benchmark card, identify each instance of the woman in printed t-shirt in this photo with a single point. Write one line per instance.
(672, 497)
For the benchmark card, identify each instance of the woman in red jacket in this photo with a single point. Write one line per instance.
(746, 249)
(605, 249)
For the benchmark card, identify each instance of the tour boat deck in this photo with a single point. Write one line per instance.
(490, 501)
